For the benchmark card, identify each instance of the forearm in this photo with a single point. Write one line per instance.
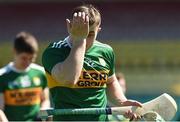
(45, 101)
(115, 93)
(3, 117)
(68, 72)
(45, 104)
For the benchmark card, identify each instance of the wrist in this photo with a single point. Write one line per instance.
(80, 43)
(122, 102)
(76, 39)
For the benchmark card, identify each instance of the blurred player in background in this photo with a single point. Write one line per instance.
(80, 69)
(22, 83)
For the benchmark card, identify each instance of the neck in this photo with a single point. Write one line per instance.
(89, 44)
(18, 67)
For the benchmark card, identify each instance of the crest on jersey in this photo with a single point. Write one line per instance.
(36, 81)
(102, 62)
(89, 62)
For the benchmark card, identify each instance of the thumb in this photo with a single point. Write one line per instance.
(68, 23)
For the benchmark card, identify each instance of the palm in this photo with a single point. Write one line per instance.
(78, 28)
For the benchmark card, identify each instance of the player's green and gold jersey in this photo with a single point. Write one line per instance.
(90, 90)
(22, 90)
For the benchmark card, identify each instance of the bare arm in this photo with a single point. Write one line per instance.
(45, 102)
(114, 92)
(3, 117)
(116, 95)
(68, 72)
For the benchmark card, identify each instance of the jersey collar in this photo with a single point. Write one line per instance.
(11, 66)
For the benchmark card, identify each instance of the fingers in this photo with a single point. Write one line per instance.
(87, 20)
(135, 117)
(136, 103)
(128, 114)
(139, 117)
(79, 26)
(132, 116)
(75, 18)
(80, 18)
(68, 25)
(83, 15)
(79, 14)
(75, 15)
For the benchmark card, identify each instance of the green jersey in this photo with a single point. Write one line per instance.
(90, 90)
(22, 91)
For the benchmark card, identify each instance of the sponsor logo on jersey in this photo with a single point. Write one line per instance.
(21, 97)
(87, 79)
(102, 62)
(89, 62)
(25, 81)
(92, 79)
(36, 81)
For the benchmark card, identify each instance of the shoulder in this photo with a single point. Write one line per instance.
(61, 47)
(59, 44)
(37, 67)
(4, 70)
(56, 52)
(102, 45)
(104, 48)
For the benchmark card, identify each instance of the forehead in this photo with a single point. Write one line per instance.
(24, 54)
